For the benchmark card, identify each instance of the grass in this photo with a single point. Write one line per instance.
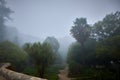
(94, 74)
(52, 72)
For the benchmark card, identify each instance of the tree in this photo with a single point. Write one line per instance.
(109, 48)
(53, 43)
(4, 16)
(55, 46)
(81, 30)
(99, 49)
(76, 57)
(107, 33)
(108, 27)
(41, 54)
(10, 52)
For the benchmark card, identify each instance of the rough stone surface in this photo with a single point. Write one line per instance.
(12, 75)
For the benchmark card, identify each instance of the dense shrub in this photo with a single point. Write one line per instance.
(13, 54)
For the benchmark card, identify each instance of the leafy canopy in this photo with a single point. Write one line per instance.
(81, 30)
(10, 52)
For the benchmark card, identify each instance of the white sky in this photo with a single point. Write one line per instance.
(42, 18)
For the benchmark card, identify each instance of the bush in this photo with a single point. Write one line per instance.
(31, 71)
(13, 54)
(52, 72)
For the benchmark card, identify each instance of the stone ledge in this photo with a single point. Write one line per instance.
(12, 75)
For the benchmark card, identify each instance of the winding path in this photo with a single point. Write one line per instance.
(63, 74)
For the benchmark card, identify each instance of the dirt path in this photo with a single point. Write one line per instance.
(63, 74)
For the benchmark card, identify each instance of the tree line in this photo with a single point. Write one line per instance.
(33, 58)
(94, 56)
(97, 48)
(37, 59)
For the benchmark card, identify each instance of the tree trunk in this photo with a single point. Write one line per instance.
(83, 52)
(41, 71)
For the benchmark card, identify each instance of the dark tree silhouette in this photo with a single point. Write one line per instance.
(4, 16)
(81, 30)
(53, 43)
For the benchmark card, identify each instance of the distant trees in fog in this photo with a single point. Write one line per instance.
(4, 16)
(41, 55)
(97, 45)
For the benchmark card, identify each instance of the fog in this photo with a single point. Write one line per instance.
(42, 18)
(61, 38)
(34, 20)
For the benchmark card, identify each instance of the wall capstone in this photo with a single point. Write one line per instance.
(12, 75)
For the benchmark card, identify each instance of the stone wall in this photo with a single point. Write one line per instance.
(12, 75)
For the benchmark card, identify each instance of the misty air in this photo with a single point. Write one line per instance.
(59, 40)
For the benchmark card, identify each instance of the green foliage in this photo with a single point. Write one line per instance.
(52, 72)
(76, 58)
(94, 74)
(74, 52)
(78, 52)
(10, 52)
(53, 43)
(108, 50)
(81, 30)
(31, 71)
(74, 68)
(51, 76)
(55, 46)
(109, 26)
(41, 55)
(48, 54)
(111, 46)
(96, 59)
